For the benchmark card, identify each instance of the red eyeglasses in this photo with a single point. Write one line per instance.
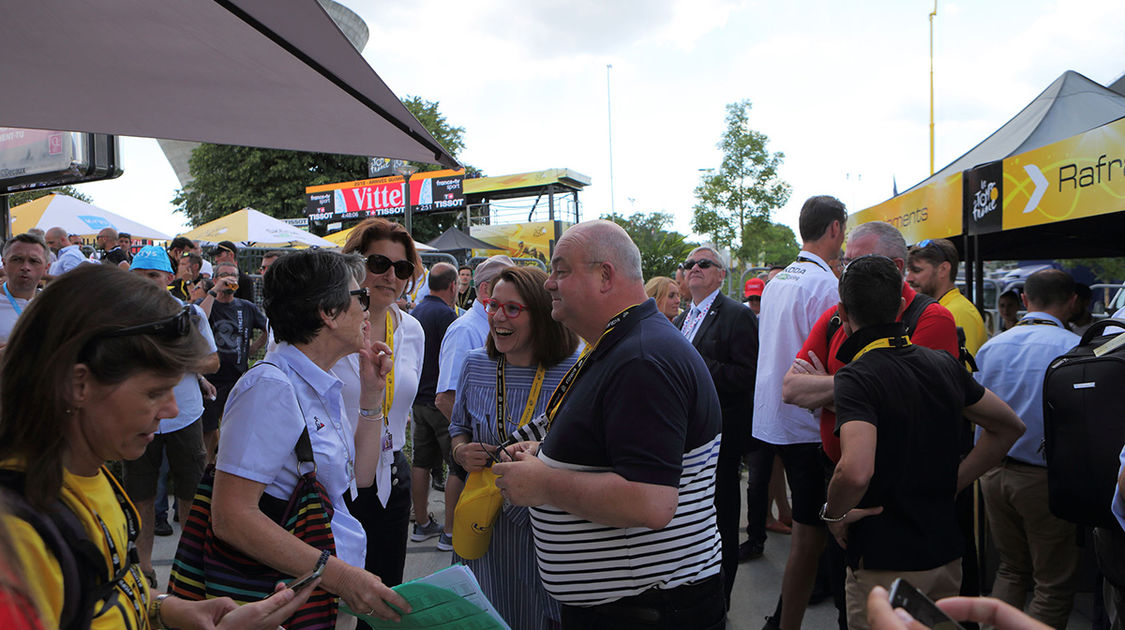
(512, 310)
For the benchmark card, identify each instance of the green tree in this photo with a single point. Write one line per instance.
(229, 178)
(427, 227)
(745, 188)
(20, 198)
(661, 248)
(765, 243)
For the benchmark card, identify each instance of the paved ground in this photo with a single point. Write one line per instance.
(756, 586)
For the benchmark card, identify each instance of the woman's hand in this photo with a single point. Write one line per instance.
(366, 594)
(510, 452)
(375, 362)
(269, 613)
(473, 456)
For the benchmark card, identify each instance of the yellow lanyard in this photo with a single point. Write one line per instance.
(389, 394)
(885, 342)
(502, 399)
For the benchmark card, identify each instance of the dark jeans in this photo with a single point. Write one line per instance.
(760, 464)
(386, 527)
(692, 606)
(728, 512)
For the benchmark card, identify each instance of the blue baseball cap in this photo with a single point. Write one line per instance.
(151, 257)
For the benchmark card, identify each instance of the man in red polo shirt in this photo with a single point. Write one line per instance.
(808, 384)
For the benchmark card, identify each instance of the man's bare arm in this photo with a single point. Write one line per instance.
(1001, 428)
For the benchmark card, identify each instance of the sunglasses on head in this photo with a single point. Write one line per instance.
(512, 310)
(703, 264)
(364, 297)
(930, 243)
(379, 264)
(178, 325)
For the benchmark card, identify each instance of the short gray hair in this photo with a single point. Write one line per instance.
(890, 242)
(608, 242)
(717, 255)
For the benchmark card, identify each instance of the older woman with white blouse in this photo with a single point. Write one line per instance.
(317, 313)
(393, 266)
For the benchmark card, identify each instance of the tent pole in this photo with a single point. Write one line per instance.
(5, 216)
(978, 273)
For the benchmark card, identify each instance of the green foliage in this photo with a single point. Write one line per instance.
(20, 198)
(1106, 269)
(765, 243)
(229, 178)
(661, 249)
(745, 188)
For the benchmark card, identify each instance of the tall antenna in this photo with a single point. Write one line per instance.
(609, 116)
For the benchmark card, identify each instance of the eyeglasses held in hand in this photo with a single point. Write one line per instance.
(379, 264)
(512, 310)
(364, 297)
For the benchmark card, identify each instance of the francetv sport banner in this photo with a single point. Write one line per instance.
(429, 192)
(1081, 176)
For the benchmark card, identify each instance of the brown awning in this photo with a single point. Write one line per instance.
(265, 73)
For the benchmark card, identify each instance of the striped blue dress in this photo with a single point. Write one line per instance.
(508, 573)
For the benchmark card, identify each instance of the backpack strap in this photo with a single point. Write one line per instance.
(80, 561)
(914, 311)
(303, 449)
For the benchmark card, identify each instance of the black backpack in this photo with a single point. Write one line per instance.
(1082, 427)
(80, 560)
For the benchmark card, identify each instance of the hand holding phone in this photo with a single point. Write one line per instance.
(908, 598)
(317, 571)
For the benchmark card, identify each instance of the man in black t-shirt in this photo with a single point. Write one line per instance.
(112, 253)
(233, 321)
(226, 252)
(898, 408)
(628, 465)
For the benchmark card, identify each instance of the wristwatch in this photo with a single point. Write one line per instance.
(827, 519)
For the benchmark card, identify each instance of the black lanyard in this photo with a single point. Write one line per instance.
(801, 259)
(572, 374)
(502, 397)
(1036, 321)
(129, 562)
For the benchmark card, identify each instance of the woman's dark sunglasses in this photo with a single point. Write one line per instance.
(379, 264)
(512, 310)
(703, 264)
(178, 325)
(364, 297)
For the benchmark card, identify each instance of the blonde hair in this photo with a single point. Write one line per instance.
(659, 287)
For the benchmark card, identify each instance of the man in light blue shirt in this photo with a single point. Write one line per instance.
(1036, 548)
(180, 438)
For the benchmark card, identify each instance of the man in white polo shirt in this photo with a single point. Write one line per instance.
(791, 304)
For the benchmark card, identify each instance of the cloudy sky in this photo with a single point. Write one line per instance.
(842, 89)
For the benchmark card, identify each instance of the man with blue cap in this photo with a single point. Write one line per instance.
(180, 438)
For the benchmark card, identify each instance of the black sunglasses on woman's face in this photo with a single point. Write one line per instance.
(379, 264)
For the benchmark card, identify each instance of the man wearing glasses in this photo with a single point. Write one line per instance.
(233, 321)
(726, 335)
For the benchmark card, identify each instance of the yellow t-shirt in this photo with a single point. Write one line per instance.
(967, 317)
(89, 498)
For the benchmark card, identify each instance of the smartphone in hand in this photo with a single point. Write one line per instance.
(908, 598)
(307, 578)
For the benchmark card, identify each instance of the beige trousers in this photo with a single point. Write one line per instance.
(1038, 551)
(944, 581)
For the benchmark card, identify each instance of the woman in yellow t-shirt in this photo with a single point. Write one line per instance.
(81, 385)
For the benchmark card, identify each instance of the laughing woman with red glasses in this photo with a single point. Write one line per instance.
(393, 267)
(525, 357)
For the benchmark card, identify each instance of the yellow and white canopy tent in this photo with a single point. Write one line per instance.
(251, 228)
(76, 217)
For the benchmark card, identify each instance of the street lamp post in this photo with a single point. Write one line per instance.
(406, 170)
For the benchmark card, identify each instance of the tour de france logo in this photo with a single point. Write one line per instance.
(985, 200)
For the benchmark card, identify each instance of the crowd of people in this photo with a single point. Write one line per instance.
(613, 415)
